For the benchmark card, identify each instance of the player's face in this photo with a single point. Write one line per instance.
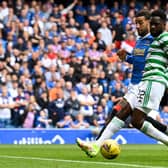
(142, 25)
(157, 26)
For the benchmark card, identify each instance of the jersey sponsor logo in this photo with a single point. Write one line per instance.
(139, 52)
(39, 140)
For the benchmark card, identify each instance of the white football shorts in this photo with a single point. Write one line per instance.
(149, 95)
(131, 95)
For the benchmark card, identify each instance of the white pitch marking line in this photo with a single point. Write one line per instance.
(78, 161)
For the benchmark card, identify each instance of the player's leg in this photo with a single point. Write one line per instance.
(115, 123)
(122, 105)
(164, 100)
(123, 109)
(91, 149)
(148, 98)
(139, 122)
(162, 127)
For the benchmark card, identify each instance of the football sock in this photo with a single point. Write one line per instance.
(166, 132)
(114, 125)
(161, 127)
(123, 104)
(108, 120)
(151, 131)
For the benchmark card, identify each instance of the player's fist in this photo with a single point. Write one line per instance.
(122, 54)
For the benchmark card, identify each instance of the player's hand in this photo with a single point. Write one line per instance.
(122, 54)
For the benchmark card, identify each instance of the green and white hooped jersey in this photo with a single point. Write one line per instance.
(156, 67)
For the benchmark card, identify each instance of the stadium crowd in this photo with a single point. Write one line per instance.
(59, 65)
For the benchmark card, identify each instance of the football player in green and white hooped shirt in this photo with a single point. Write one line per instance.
(153, 84)
(157, 59)
(150, 89)
(154, 81)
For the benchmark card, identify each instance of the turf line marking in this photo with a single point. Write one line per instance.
(78, 161)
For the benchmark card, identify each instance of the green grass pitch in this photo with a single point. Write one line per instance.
(70, 156)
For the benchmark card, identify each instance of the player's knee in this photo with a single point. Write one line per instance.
(121, 105)
(138, 118)
(137, 123)
(134, 123)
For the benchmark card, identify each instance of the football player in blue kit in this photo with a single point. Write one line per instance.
(127, 104)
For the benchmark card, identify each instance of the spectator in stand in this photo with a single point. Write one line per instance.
(89, 33)
(114, 79)
(100, 42)
(43, 100)
(79, 52)
(80, 122)
(67, 90)
(64, 66)
(64, 53)
(164, 114)
(72, 104)
(127, 78)
(96, 93)
(129, 43)
(118, 32)
(115, 7)
(42, 120)
(166, 10)
(33, 61)
(27, 28)
(33, 101)
(52, 74)
(94, 54)
(28, 90)
(93, 18)
(55, 14)
(130, 20)
(71, 44)
(86, 102)
(17, 7)
(93, 81)
(13, 89)
(6, 104)
(102, 6)
(107, 104)
(10, 17)
(83, 83)
(57, 108)
(64, 11)
(106, 34)
(4, 10)
(20, 45)
(80, 12)
(103, 81)
(51, 54)
(19, 109)
(70, 76)
(66, 122)
(110, 54)
(118, 93)
(29, 116)
(39, 89)
(55, 91)
(99, 117)
(56, 44)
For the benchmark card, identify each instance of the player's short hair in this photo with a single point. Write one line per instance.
(159, 13)
(144, 13)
